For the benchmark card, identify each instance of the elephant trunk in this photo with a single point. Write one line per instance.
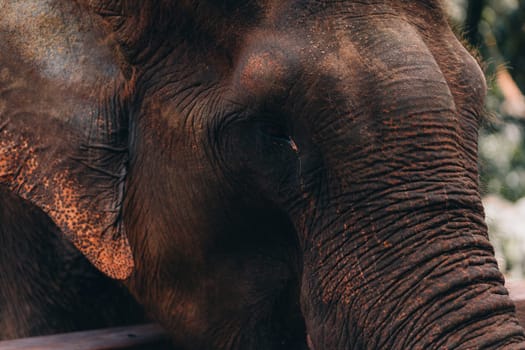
(396, 251)
(400, 274)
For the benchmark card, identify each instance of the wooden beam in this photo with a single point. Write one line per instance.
(106, 339)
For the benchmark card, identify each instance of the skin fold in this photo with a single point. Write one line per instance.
(256, 174)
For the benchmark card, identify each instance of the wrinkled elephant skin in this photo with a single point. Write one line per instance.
(257, 174)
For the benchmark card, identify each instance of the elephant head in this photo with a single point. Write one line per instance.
(262, 174)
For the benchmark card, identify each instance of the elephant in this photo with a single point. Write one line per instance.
(293, 174)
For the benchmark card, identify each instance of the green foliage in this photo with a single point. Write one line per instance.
(499, 34)
(502, 160)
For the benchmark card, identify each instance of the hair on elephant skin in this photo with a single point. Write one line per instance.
(293, 174)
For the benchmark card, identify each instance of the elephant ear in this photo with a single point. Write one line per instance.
(63, 129)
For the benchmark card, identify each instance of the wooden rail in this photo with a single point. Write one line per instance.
(151, 336)
(131, 337)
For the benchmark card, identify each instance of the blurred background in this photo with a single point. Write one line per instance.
(496, 28)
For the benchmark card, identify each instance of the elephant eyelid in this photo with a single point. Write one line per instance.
(274, 130)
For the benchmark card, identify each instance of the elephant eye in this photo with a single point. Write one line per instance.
(277, 133)
(274, 130)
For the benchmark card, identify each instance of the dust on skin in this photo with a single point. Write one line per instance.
(111, 254)
(13, 153)
(8, 157)
(267, 70)
(19, 167)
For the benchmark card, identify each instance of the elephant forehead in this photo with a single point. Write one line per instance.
(394, 63)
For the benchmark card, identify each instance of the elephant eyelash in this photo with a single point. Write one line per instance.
(294, 146)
